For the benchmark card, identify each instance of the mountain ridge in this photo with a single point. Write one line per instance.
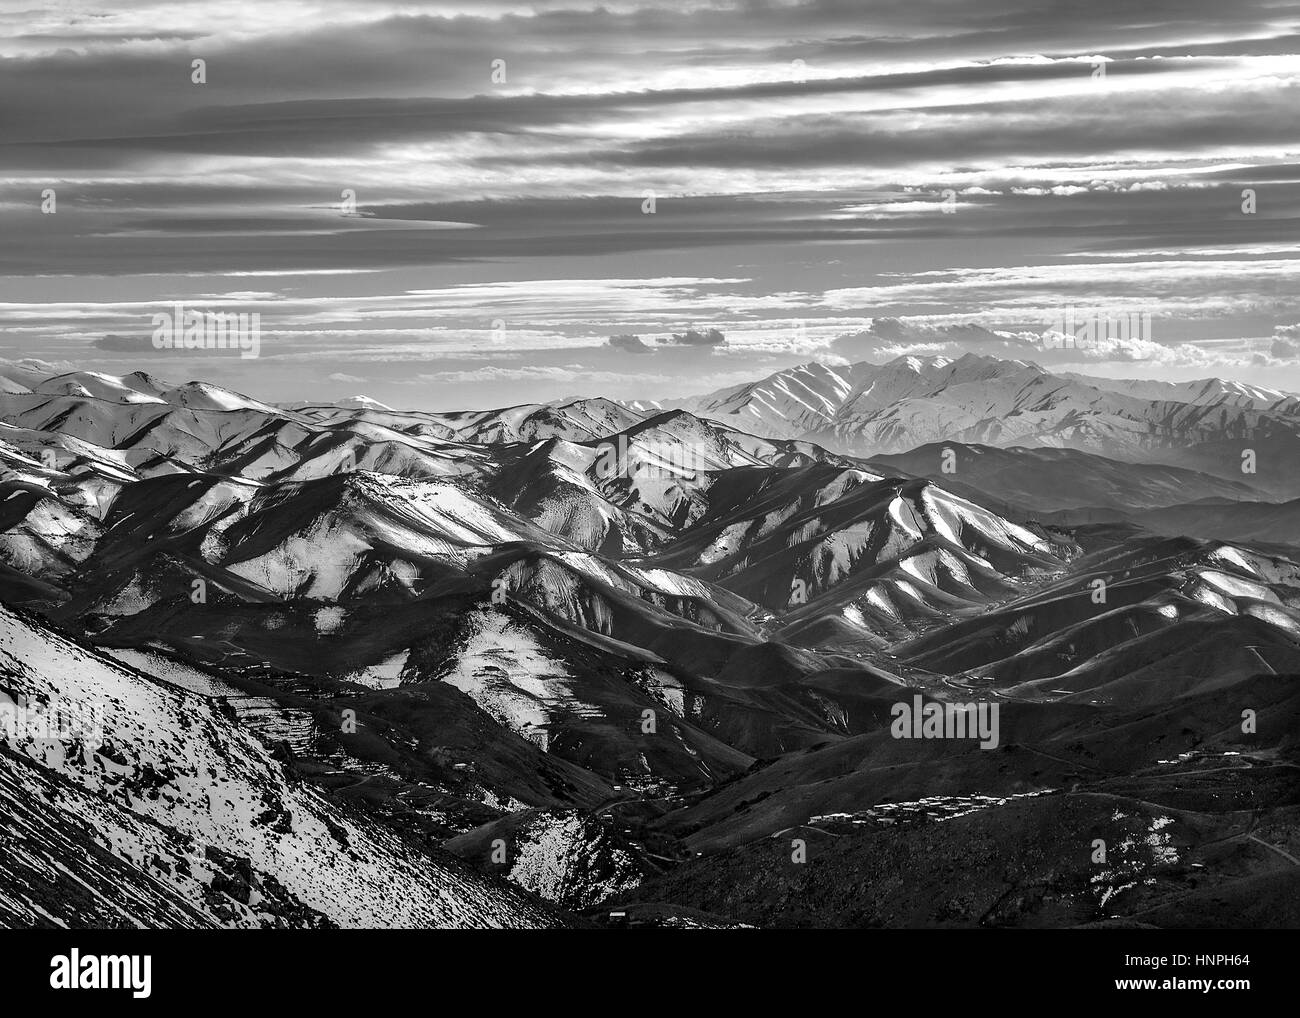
(604, 635)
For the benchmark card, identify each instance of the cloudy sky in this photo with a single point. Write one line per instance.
(448, 205)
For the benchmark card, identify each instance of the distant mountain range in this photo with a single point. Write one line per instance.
(522, 666)
(872, 409)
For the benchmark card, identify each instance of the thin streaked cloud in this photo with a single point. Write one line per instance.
(389, 184)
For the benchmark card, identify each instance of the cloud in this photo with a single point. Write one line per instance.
(527, 373)
(126, 344)
(339, 376)
(1104, 342)
(629, 344)
(695, 338)
(1284, 349)
(821, 192)
(887, 338)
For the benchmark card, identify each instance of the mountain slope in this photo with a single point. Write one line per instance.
(208, 826)
(895, 407)
(613, 637)
(1046, 479)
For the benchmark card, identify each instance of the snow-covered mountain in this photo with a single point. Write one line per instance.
(555, 638)
(1044, 479)
(156, 810)
(793, 402)
(913, 401)
(1201, 392)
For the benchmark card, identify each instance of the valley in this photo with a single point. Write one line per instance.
(538, 665)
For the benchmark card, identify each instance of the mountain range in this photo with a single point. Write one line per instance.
(529, 666)
(868, 409)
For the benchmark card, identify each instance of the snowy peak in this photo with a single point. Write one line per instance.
(93, 384)
(910, 401)
(327, 638)
(783, 404)
(1201, 392)
(202, 396)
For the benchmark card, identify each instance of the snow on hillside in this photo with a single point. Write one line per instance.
(503, 668)
(328, 533)
(911, 401)
(168, 785)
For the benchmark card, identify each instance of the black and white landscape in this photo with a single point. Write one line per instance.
(693, 465)
(339, 664)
